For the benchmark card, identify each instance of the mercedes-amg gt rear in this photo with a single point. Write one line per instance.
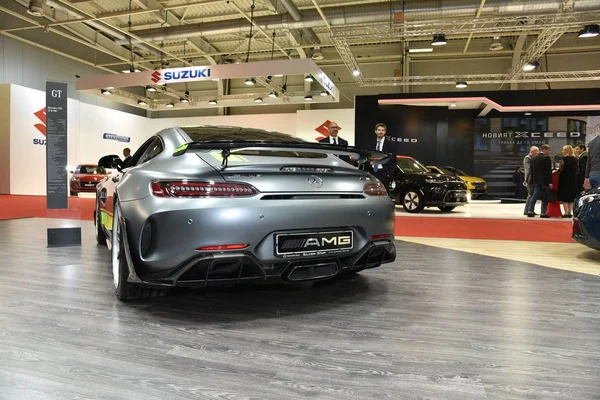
(223, 205)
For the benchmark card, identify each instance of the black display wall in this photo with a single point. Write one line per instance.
(433, 135)
(442, 136)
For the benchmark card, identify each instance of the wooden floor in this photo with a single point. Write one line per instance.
(437, 324)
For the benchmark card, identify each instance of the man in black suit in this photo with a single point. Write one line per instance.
(540, 176)
(383, 171)
(581, 153)
(333, 137)
(127, 159)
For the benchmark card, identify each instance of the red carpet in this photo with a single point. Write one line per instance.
(477, 228)
(12, 207)
(35, 206)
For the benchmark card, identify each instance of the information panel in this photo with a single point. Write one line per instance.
(56, 146)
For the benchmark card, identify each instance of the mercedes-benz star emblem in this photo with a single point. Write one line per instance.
(315, 181)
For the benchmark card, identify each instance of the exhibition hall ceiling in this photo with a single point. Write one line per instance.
(118, 36)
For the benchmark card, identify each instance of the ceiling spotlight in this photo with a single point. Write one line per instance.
(184, 100)
(589, 31)
(439, 40)
(530, 66)
(452, 104)
(317, 55)
(36, 8)
(126, 71)
(258, 100)
(273, 94)
(212, 102)
(461, 85)
(250, 81)
(527, 113)
(308, 78)
(106, 92)
(151, 88)
(308, 97)
(323, 93)
(356, 72)
(170, 105)
(142, 102)
(496, 44)
(421, 50)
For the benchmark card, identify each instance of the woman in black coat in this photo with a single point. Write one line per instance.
(567, 181)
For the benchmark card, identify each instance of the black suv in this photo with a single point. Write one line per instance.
(414, 187)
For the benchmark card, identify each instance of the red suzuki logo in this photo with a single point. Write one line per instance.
(155, 76)
(322, 129)
(42, 117)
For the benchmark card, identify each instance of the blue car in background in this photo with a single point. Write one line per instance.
(586, 219)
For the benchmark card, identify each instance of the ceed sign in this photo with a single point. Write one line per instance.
(177, 75)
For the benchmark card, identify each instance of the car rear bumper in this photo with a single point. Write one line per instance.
(164, 243)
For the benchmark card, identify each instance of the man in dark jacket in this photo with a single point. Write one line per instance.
(383, 171)
(540, 176)
(582, 155)
(333, 137)
(592, 171)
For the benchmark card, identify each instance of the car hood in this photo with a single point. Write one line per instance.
(472, 179)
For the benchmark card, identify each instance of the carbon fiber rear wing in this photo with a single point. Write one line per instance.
(361, 155)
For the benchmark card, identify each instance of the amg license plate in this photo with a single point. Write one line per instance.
(307, 244)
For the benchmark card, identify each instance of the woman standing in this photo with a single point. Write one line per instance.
(567, 181)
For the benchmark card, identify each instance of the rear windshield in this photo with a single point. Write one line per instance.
(220, 133)
(232, 133)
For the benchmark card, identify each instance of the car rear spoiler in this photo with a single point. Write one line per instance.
(359, 154)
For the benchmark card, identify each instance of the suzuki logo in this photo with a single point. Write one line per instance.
(155, 76)
(315, 181)
(42, 117)
(335, 241)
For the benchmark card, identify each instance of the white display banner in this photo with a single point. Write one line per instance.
(96, 131)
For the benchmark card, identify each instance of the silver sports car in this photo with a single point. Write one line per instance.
(205, 205)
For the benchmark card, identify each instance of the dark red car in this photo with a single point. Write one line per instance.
(85, 178)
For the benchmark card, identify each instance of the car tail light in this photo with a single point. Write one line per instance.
(375, 189)
(201, 189)
(223, 247)
(381, 236)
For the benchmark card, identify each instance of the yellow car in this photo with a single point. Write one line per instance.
(476, 187)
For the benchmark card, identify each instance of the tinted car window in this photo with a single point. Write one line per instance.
(232, 133)
(410, 165)
(155, 149)
(220, 133)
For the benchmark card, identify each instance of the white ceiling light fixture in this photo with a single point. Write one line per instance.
(439, 40)
(356, 72)
(278, 75)
(453, 105)
(142, 102)
(308, 97)
(309, 78)
(527, 113)
(496, 44)
(250, 81)
(258, 100)
(324, 93)
(530, 66)
(421, 50)
(36, 8)
(589, 31)
(273, 94)
(150, 88)
(317, 54)
(212, 102)
(106, 92)
(170, 105)
(184, 100)
(461, 85)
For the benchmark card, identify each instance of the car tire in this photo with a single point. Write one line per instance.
(412, 201)
(120, 271)
(72, 193)
(447, 208)
(98, 231)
